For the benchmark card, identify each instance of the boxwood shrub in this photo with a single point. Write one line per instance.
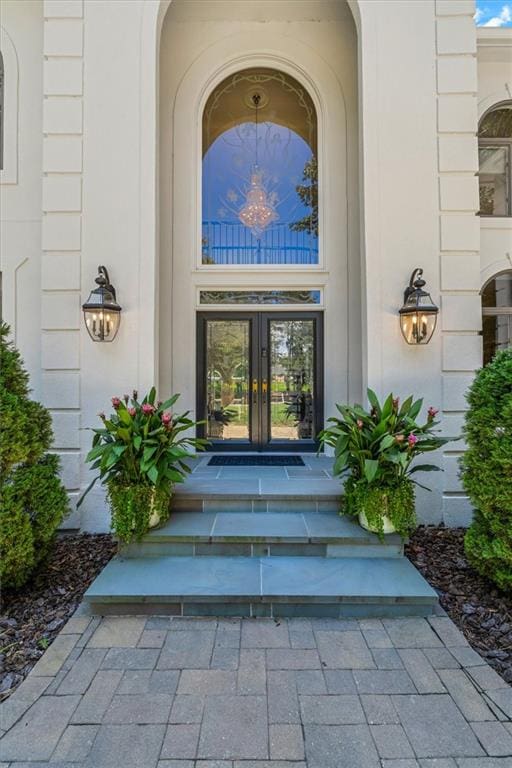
(33, 501)
(487, 470)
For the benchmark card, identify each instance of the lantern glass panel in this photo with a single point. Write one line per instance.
(418, 327)
(102, 324)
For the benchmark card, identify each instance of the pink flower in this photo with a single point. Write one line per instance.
(116, 402)
(432, 413)
(412, 440)
(148, 409)
(166, 418)
(359, 424)
(132, 412)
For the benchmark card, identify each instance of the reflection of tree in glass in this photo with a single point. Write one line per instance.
(228, 356)
(292, 354)
(308, 194)
(497, 124)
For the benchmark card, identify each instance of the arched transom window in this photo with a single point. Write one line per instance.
(497, 315)
(495, 161)
(260, 177)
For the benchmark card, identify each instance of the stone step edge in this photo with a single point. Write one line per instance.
(424, 593)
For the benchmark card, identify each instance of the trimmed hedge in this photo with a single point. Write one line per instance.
(32, 498)
(487, 470)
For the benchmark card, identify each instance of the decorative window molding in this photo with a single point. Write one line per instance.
(497, 314)
(10, 106)
(495, 160)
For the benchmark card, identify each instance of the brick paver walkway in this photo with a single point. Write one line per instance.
(142, 692)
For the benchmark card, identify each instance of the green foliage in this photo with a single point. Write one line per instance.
(132, 507)
(141, 446)
(34, 501)
(395, 502)
(487, 470)
(377, 448)
(26, 426)
(44, 499)
(16, 540)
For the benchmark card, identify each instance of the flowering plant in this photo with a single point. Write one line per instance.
(143, 443)
(378, 447)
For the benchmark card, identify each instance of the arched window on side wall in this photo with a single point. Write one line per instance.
(497, 315)
(260, 177)
(495, 161)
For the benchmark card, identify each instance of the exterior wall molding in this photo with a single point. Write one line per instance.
(459, 236)
(62, 233)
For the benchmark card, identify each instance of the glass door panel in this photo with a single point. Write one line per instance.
(260, 380)
(292, 379)
(228, 350)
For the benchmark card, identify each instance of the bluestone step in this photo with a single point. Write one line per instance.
(266, 586)
(258, 535)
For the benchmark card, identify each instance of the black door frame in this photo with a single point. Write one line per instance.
(259, 369)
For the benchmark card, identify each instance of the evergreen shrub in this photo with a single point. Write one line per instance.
(33, 500)
(487, 470)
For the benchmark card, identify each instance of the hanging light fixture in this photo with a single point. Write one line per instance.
(418, 315)
(102, 313)
(258, 211)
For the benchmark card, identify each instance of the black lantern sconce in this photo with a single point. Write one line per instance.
(418, 316)
(102, 313)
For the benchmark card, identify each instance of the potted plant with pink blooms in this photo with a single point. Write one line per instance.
(141, 452)
(377, 448)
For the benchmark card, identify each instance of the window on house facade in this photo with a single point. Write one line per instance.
(259, 173)
(497, 315)
(495, 161)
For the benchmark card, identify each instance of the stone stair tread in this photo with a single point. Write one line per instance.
(208, 488)
(277, 579)
(264, 527)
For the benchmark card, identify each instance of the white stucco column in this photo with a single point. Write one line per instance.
(459, 233)
(62, 231)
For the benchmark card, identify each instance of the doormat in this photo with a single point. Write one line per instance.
(256, 461)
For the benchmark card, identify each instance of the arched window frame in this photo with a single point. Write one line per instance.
(280, 69)
(502, 311)
(499, 142)
(10, 106)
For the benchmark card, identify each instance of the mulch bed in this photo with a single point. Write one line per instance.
(480, 610)
(32, 617)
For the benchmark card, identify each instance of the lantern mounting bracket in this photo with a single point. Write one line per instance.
(416, 281)
(103, 280)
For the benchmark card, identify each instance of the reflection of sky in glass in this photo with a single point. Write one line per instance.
(227, 167)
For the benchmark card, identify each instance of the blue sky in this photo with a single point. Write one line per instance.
(493, 13)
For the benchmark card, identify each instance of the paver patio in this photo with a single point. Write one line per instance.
(257, 693)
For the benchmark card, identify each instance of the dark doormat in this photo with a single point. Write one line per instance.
(256, 461)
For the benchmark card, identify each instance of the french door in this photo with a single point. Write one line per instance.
(260, 380)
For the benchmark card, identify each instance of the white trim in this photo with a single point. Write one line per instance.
(9, 173)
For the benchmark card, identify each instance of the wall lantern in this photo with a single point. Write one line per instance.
(102, 313)
(418, 316)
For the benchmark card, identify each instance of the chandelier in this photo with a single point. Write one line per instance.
(258, 211)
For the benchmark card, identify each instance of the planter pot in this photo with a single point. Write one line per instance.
(388, 526)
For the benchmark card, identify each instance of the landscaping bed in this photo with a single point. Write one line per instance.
(480, 610)
(32, 616)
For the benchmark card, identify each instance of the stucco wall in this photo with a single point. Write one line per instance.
(494, 86)
(20, 182)
(106, 171)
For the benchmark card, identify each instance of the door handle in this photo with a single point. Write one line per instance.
(264, 388)
(254, 391)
